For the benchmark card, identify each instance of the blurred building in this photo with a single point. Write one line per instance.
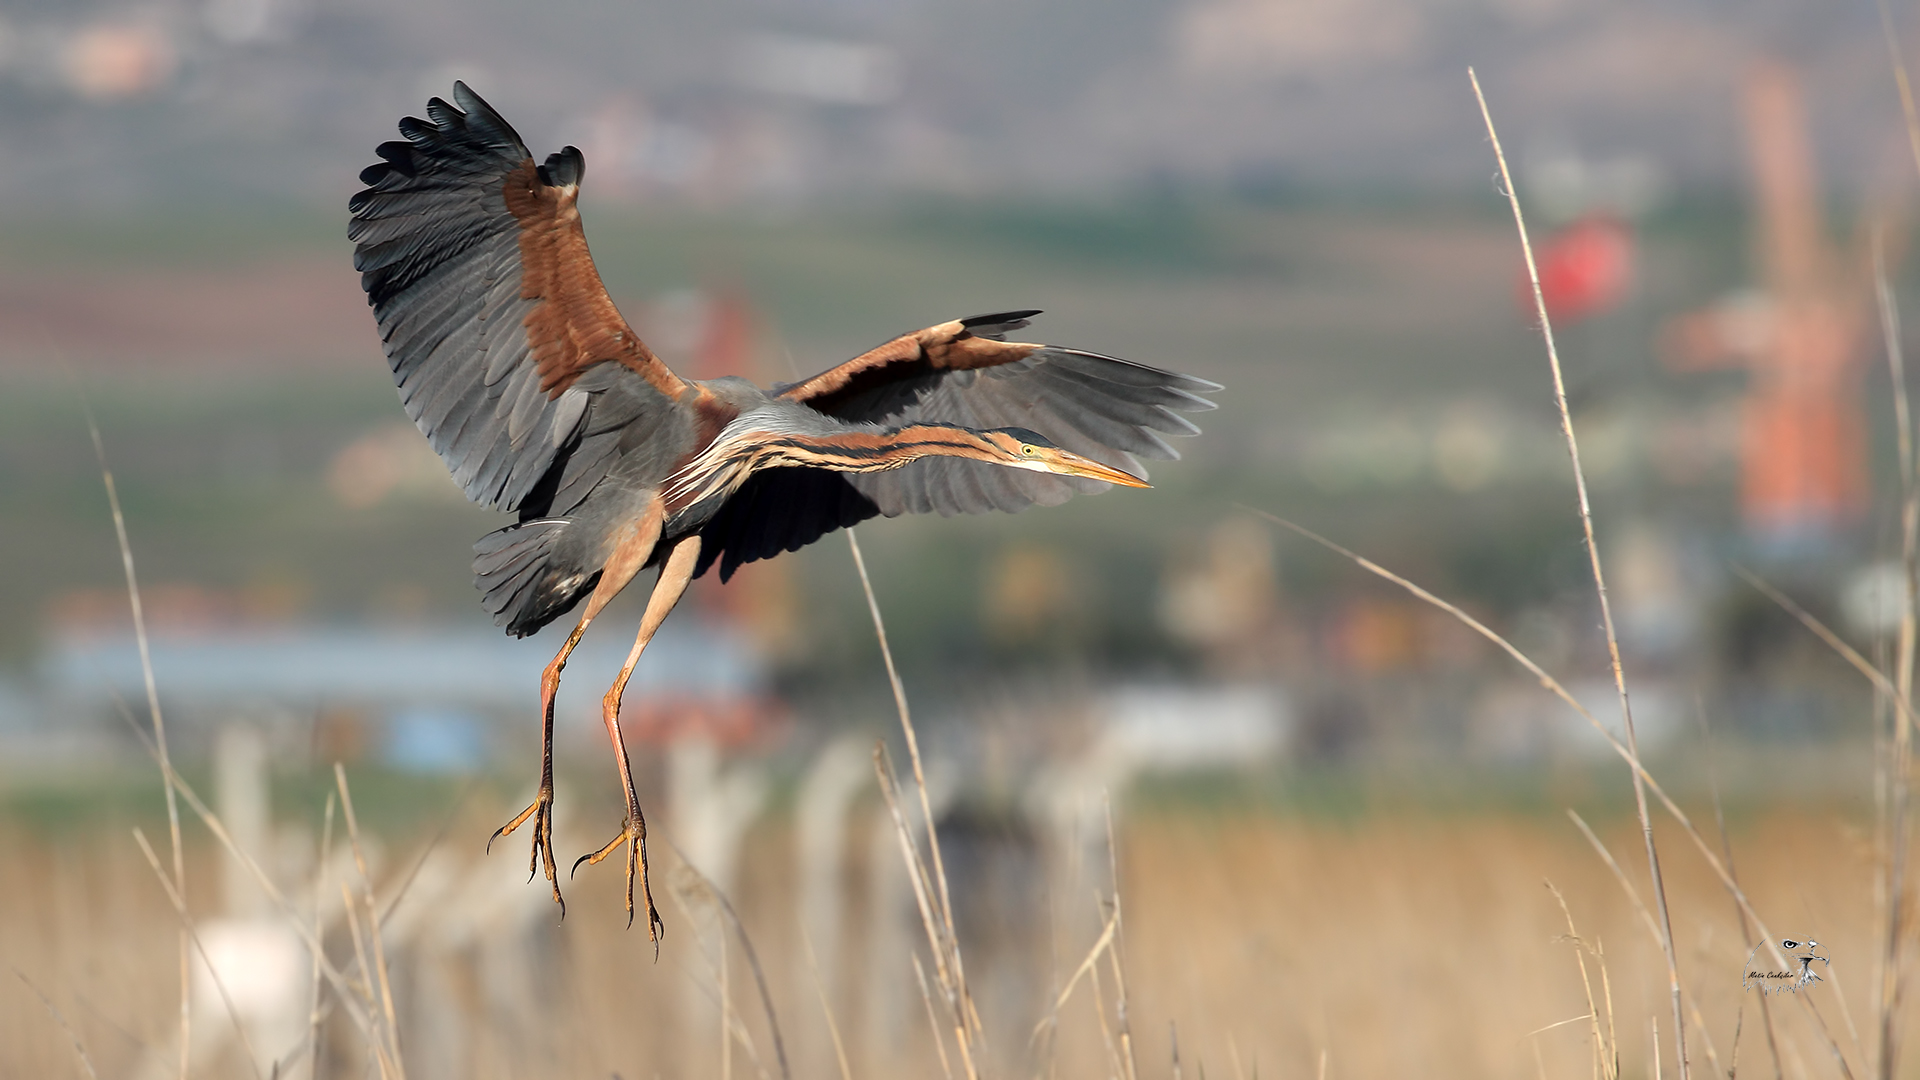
(1801, 338)
(427, 698)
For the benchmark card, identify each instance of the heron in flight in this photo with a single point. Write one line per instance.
(511, 358)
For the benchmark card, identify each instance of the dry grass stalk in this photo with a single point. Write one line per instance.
(309, 937)
(1834, 976)
(378, 972)
(1116, 1062)
(1117, 1036)
(1117, 960)
(729, 917)
(176, 788)
(1896, 762)
(727, 1011)
(1653, 928)
(928, 874)
(186, 924)
(933, 1021)
(1606, 1045)
(1599, 582)
(1051, 1021)
(1557, 689)
(1619, 875)
(826, 1007)
(722, 993)
(1895, 818)
(1706, 1037)
(315, 1015)
(1746, 930)
(1907, 110)
(1554, 686)
(375, 1045)
(53, 1011)
(941, 943)
(1891, 825)
(1888, 962)
(159, 724)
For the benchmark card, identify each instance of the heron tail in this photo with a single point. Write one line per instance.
(521, 584)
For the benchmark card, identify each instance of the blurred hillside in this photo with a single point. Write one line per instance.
(1288, 197)
(1384, 387)
(204, 102)
(234, 371)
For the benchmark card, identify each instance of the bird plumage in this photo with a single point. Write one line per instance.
(516, 365)
(542, 401)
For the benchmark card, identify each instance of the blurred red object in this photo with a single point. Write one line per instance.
(733, 721)
(1585, 269)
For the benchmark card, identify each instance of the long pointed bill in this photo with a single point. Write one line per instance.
(1067, 463)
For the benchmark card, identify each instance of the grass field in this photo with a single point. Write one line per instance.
(1293, 925)
(1392, 943)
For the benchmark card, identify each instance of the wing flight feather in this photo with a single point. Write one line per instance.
(488, 302)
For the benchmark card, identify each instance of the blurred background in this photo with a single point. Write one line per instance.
(1333, 804)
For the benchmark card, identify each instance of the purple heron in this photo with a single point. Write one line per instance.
(543, 402)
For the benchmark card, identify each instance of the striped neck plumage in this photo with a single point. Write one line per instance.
(751, 444)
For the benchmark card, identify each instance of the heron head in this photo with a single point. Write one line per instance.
(1023, 449)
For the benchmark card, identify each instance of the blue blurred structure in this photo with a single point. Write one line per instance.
(431, 696)
(298, 666)
(435, 740)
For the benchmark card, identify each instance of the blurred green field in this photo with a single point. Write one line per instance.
(1322, 317)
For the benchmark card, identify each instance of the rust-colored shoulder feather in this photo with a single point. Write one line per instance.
(958, 345)
(489, 306)
(574, 325)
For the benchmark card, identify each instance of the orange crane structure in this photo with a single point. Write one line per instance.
(1804, 474)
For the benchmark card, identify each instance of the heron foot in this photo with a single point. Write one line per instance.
(542, 858)
(633, 837)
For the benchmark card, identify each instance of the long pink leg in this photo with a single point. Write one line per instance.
(630, 553)
(675, 573)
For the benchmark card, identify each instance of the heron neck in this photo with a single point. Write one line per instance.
(736, 455)
(879, 451)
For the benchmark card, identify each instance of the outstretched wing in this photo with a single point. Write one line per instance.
(965, 373)
(779, 510)
(489, 305)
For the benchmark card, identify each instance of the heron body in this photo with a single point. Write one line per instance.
(512, 359)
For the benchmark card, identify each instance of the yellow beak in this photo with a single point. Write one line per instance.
(1067, 463)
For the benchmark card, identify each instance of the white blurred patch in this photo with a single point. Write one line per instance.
(1170, 728)
(818, 69)
(1873, 598)
(261, 963)
(1265, 38)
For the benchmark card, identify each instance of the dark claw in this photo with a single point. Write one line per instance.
(542, 814)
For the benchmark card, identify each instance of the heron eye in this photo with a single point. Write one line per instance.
(1027, 450)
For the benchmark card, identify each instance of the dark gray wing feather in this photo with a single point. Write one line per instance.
(1112, 410)
(779, 510)
(439, 254)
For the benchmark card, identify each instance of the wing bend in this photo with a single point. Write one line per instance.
(487, 299)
